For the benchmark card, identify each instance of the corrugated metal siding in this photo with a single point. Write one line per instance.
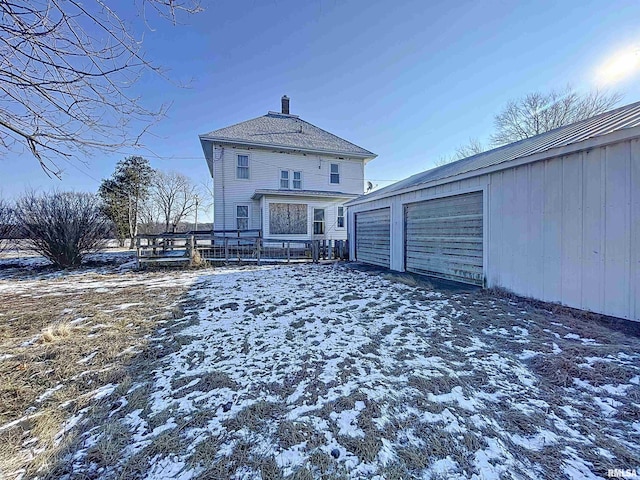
(567, 230)
(444, 238)
(606, 123)
(373, 237)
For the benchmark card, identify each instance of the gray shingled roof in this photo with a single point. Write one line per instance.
(605, 123)
(286, 131)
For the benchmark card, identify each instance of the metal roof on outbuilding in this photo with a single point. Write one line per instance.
(603, 124)
(277, 130)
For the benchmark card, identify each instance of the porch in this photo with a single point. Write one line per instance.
(227, 246)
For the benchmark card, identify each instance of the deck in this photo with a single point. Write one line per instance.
(237, 246)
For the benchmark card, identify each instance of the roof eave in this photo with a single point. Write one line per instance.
(293, 193)
(208, 155)
(367, 157)
(589, 143)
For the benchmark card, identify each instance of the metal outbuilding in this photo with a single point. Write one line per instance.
(554, 217)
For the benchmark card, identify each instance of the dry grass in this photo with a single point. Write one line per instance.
(56, 361)
(219, 439)
(255, 416)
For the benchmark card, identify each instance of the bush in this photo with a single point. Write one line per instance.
(62, 226)
(7, 224)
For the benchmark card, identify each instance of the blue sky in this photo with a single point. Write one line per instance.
(407, 80)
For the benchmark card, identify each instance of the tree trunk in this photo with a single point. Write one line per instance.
(133, 222)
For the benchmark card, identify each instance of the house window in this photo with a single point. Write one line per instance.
(297, 180)
(335, 173)
(340, 221)
(242, 170)
(288, 219)
(242, 217)
(318, 221)
(284, 178)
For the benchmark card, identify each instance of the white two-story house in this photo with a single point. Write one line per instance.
(283, 175)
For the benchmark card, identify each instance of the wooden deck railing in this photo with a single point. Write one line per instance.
(233, 245)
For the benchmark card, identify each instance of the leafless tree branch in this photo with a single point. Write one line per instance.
(66, 70)
(7, 224)
(174, 195)
(539, 112)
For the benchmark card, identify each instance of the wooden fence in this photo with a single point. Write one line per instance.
(225, 246)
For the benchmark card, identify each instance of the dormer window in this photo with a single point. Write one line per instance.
(284, 179)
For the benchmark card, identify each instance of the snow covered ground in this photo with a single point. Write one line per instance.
(324, 371)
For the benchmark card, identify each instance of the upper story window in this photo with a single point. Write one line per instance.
(340, 218)
(284, 178)
(297, 180)
(242, 168)
(286, 181)
(335, 173)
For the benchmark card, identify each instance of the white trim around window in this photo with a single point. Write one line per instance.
(334, 173)
(319, 218)
(243, 171)
(290, 180)
(243, 216)
(284, 179)
(297, 180)
(341, 219)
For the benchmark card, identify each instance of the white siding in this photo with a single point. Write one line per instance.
(264, 173)
(331, 213)
(565, 229)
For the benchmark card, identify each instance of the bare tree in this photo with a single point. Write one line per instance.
(539, 112)
(445, 159)
(7, 224)
(149, 217)
(206, 197)
(472, 147)
(62, 226)
(175, 196)
(66, 69)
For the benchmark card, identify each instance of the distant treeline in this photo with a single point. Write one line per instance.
(19, 233)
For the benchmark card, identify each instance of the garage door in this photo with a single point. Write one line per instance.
(373, 237)
(443, 238)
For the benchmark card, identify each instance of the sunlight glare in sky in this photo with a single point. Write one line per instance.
(620, 66)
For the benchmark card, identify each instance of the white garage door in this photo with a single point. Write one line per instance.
(443, 238)
(373, 237)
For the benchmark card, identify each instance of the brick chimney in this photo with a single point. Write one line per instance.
(285, 105)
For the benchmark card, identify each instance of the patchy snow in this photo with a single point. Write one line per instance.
(537, 441)
(363, 373)
(88, 358)
(104, 391)
(347, 421)
(49, 392)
